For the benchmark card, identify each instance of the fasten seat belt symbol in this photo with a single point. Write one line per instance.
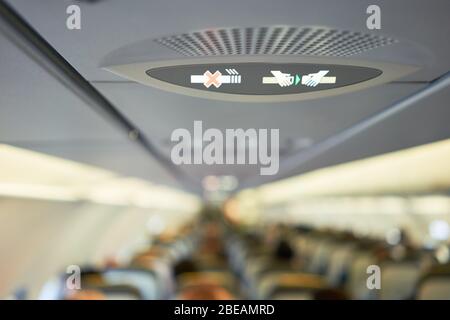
(280, 78)
(287, 80)
(216, 79)
(313, 79)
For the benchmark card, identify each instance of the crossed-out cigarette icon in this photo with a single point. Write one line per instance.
(216, 79)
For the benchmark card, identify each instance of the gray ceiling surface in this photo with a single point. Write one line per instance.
(38, 113)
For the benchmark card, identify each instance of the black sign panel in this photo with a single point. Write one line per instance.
(263, 78)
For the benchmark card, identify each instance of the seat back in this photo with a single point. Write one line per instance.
(399, 279)
(357, 281)
(143, 280)
(435, 284)
(339, 264)
(436, 288)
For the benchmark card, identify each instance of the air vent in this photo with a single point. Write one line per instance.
(274, 40)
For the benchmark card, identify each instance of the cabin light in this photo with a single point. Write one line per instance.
(439, 230)
(393, 236)
(156, 225)
(442, 254)
(29, 174)
(401, 172)
(33, 191)
(219, 183)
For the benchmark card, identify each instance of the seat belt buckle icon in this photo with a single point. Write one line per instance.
(280, 78)
(313, 79)
(287, 80)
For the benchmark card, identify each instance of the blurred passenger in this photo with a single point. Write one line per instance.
(403, 248)
(330, 294)
(205, 292)
(185, 266)
(111, 262)
(272, 235)
(85, 294)
(212, 243)
(283, 251)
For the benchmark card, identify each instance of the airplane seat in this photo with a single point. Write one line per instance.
(304, 247)
(141, 279)
(315, 294)
(356, 285)
(208, 262)
(239, 251)
(251, 271)
(339, 264)
(53, 289)
(435, 284)
(222, 279)
(106, 282)
(319, 261)
(162, 270)
(236, 254)
(179, 250)
(282, 293)
(107, 292)
(191, 242)
(399, 279)
(204, 292)
(282, 283)
(283, 259)
(57, 288)
(144, 280)
(253, 256)
(236, 261)
(308, 250)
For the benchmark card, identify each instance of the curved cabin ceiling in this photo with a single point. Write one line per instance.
(58, 179)
(76, 132)
(79, 185)
(418, 170)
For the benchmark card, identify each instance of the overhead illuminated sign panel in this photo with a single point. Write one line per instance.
(263, 78)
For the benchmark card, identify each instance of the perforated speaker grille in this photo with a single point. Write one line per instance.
(278, 40)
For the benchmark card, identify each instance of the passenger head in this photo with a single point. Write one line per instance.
(205, 292)
(185, 266)
(85, 294)
(284, 251)
(330, 294)
(272, 235)
(212, 239)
